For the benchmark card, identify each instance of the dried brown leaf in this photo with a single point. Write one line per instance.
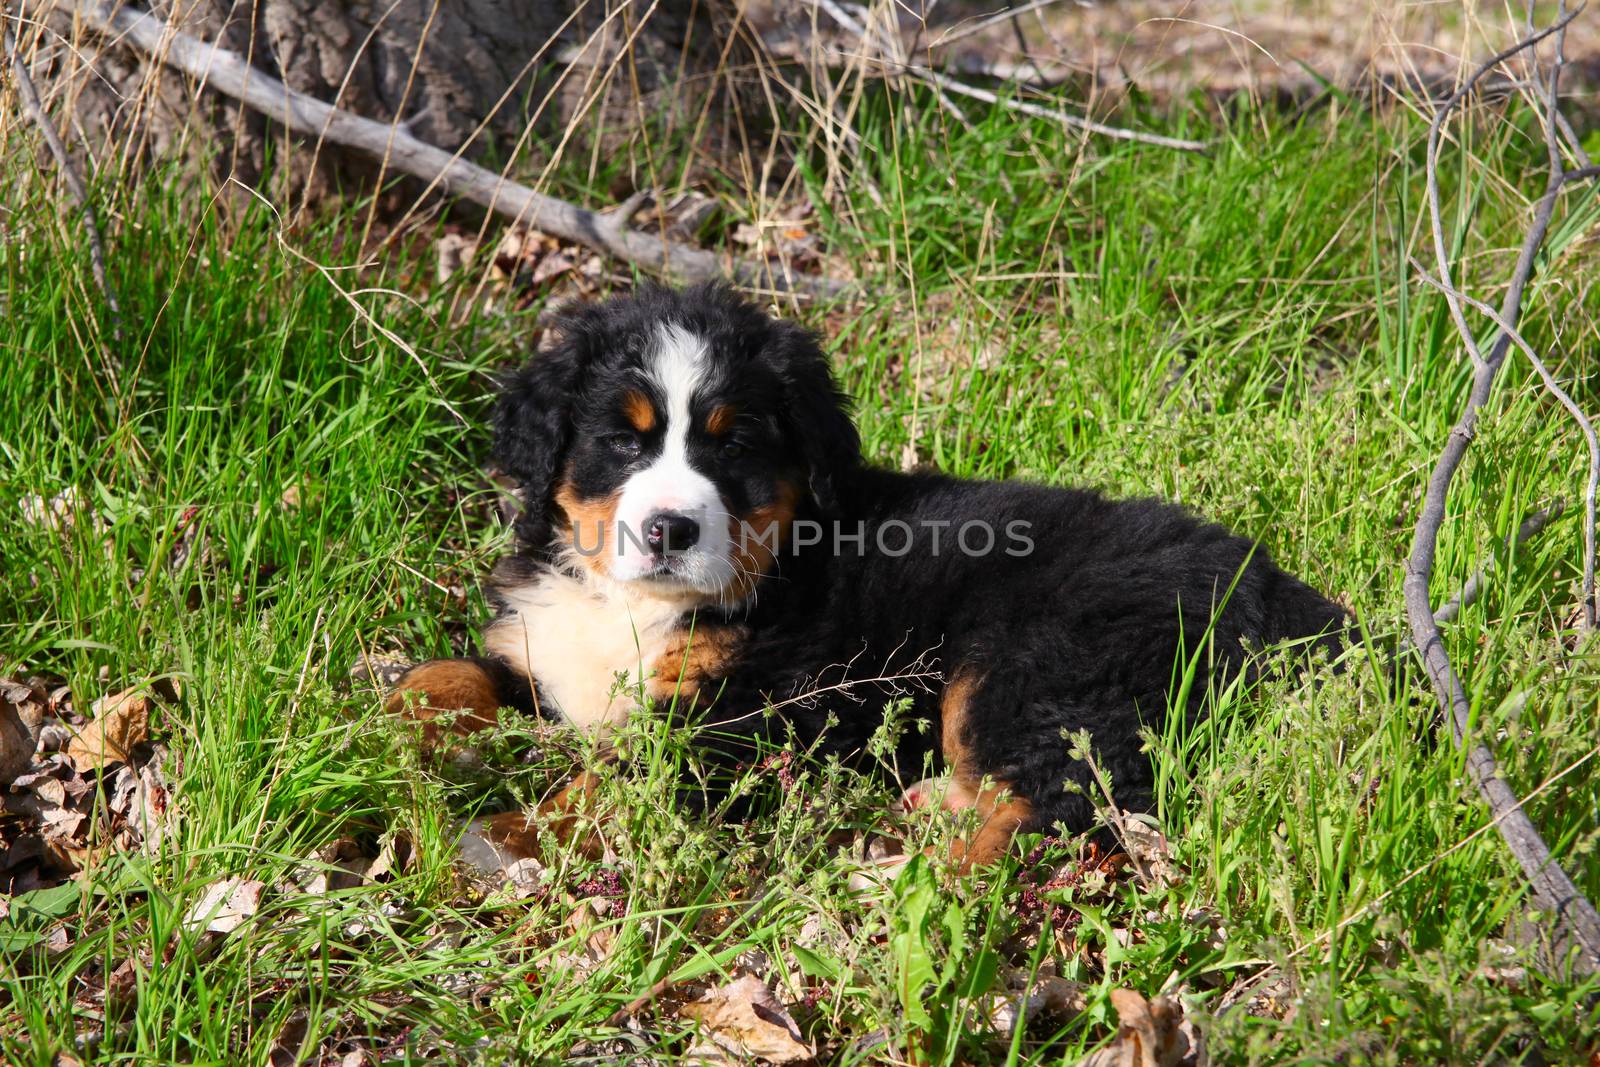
(121, 723)
(146, 805)
(124, 782)
(396, 856)
(454, 251)
(742, 1021)
(57, 941)
(50, 801)
(1152, 1033)
(1148, 849)
(589, 919)
(1047, 995)
(62, 823)
(290, 1042)
(50, 790)
(551, 266)
(227, 905)
(22, 708)
(122, 986)
(340, 864)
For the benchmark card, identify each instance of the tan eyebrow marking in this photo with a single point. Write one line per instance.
(720, 421)
(640, 413)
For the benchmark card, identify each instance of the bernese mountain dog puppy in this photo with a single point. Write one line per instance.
(699, 521)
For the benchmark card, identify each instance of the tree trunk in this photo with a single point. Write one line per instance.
(479, 76)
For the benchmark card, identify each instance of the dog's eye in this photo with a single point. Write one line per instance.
(624, 444)
(732, 449)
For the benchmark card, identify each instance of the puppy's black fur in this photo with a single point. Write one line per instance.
(1082, 615)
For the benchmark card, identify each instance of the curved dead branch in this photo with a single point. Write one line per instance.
(1470, 590)
(887, 56)
(1575, 932)
(604, 231)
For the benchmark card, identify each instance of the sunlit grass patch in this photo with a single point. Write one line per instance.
(1236, 331)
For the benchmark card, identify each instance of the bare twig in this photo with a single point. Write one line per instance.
(1435, 134)
(1469, 592)
(1568, 134)
(974, 26)
(839, 15)
(1371, 907)
(947, 84)
(34, 109)
(1585, 424)
(1576, 924)
(605, 231)
(643, 1000)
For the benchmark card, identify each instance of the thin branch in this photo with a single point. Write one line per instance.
(1568, 134)
(1573, 142)
(1470, 590)
(888, 44)
(642, 1001)
(948, 84)
(604, 231)
(1371, 907)
(34, 109)
(839, 15)
(1584, 424)
(978, 25)
(1576, 924)
(1436, 214)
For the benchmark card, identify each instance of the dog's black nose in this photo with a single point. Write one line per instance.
(669, 532)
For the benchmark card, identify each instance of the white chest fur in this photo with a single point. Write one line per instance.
(575, 636)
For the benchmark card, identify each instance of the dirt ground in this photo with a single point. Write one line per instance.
(1170, 47)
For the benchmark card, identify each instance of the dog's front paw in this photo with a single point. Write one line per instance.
(449, 697)
(695, 660)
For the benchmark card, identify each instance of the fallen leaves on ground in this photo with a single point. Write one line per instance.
(528, 261)
(1021, 1000)
(22, 708)
(1151, 1033)
(789, 241)
(226, 906)
(290, 1048)
(1148, 849)
(524, 266)
(73, 790)
(318, 886)
(121, 723)
(744, 1021)
(322, 884)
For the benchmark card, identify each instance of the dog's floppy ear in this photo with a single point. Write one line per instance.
(817, 414)
(533, 426)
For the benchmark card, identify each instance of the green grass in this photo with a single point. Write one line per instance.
(1239, 331)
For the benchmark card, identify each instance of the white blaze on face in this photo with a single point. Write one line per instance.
(679, 366)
